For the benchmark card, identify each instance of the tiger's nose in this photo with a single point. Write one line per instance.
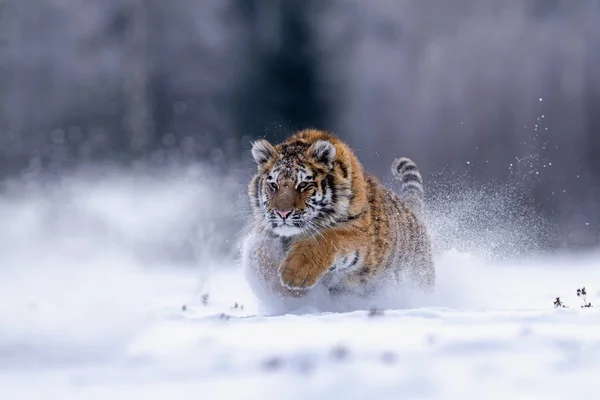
(283, 213)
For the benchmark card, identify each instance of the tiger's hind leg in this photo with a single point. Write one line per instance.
(419, 271)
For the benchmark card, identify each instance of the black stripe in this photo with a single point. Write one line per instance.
(257, 184)
(411, 178)
(353, 263)
(411, 167)
(412, 187)
(353, 217)
(402, 164)
(329, 180)
(343, 168)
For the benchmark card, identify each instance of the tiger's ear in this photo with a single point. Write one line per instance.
(323, 151)
(262, 151)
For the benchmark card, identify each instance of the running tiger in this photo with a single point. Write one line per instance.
(320, 219)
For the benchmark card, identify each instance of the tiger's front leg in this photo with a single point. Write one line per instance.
(262, 257)
(309, 260)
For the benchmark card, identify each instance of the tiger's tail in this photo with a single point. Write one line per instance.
(405, 170)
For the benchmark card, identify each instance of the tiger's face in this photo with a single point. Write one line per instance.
(294, 191)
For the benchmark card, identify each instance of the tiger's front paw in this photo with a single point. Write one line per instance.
(297, 272)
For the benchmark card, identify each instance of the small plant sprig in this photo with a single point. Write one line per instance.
(204, 299)
(558, 303)
(582, 294)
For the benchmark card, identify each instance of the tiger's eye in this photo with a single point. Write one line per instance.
(273, 186)
(303, 185)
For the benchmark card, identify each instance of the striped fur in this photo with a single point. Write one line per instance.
(405, 170)
(320, 219)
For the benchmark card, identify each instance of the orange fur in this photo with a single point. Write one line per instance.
(344, 218)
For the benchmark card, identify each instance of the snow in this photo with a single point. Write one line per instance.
(84, 316)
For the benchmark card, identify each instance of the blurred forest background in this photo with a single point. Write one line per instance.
(491, 92)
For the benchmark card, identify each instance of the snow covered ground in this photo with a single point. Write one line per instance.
(92, 284)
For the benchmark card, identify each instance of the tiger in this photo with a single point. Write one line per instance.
(320, 220)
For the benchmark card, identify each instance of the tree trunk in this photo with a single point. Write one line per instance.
(138, 72)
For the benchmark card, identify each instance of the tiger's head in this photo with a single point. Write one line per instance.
(302, 186)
